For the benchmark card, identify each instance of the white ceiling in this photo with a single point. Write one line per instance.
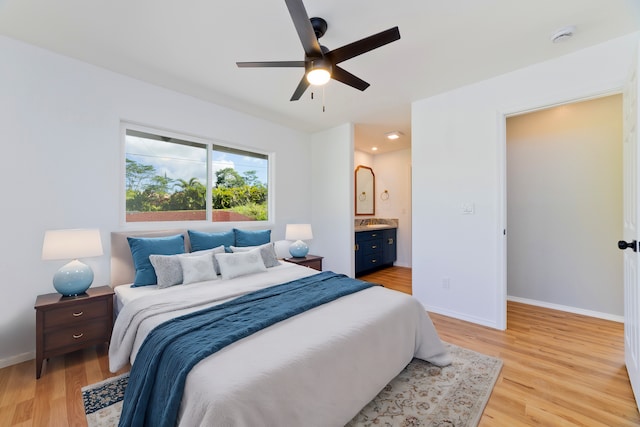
(192, 47)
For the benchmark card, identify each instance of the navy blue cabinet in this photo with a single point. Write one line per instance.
(375, 249)
(389, 251)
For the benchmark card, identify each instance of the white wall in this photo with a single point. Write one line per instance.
(458, 158)
(564, 206)
(61, 166)
(393, 173)
(332, 201)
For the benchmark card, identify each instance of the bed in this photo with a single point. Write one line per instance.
(318, 368)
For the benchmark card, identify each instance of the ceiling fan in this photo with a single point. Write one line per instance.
(320, 63)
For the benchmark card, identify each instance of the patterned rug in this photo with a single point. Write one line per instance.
(421, 395)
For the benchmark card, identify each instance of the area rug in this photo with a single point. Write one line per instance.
(421, 395)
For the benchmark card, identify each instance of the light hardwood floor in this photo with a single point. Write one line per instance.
(560, 369)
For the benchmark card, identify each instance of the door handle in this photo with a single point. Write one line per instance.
(625, 245)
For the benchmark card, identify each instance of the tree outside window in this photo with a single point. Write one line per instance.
(166, 180)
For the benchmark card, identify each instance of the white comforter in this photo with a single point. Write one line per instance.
(315, 369)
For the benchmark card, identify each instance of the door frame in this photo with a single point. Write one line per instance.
(501, 223)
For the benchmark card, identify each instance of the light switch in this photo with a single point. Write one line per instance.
(468, 209)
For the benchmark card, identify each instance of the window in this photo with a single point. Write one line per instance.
(176, 178)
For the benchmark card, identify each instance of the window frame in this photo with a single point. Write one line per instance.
(210, 144)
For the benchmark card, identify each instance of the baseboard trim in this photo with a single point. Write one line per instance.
(574, 310)
(461, 316)
(18, 358)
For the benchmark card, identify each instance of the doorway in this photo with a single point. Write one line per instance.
(564, 207)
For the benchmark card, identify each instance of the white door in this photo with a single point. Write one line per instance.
(631, 231)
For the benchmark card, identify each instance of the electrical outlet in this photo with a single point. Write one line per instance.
(445, 283)
(468, 208)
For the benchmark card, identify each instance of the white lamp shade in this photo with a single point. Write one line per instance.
(71, 244)
(298, 232)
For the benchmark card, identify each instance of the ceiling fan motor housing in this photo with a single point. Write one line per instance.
(319, 26)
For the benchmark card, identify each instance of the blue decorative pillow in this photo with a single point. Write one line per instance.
(252, 237)
(201, 241)
(142, 247)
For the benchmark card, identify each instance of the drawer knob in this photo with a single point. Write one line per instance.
(78, 314)
(374, 246)
(77, 336)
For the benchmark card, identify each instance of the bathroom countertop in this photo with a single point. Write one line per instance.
(373, 227)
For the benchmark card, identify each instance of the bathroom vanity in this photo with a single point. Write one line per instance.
(375, 246)
(375, 239)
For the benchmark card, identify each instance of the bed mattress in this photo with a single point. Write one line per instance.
(318, 368)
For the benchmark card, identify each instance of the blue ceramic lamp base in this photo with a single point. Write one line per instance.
(73, 279)
(298, 249)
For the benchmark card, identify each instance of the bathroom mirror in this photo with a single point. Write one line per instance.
(365, 184)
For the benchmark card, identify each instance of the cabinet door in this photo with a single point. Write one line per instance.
(389, 245)
(359, 258)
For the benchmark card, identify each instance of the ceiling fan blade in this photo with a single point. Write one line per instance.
(364, 45)
(304, 28)
(342, 75)
(271, 64)
(302, 86)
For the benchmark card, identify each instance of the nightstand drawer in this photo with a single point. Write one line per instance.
(310, 261)
(75, 314)
(77, 335)
(315, 264)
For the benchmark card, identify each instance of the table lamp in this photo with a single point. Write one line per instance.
(298, 232)
(75, 277)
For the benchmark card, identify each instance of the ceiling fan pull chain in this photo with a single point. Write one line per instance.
(323, 99)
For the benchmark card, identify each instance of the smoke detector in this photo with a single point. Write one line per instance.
(563, 34)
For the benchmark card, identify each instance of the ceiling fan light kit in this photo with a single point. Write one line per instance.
(318, 60)
(319, 72)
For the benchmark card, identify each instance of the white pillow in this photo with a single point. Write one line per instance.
(197, 268)
(267, 252)
(240, 263)
(218, 250)
(169, 270)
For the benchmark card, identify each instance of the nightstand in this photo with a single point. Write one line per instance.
(311, 261)
(66, 324)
